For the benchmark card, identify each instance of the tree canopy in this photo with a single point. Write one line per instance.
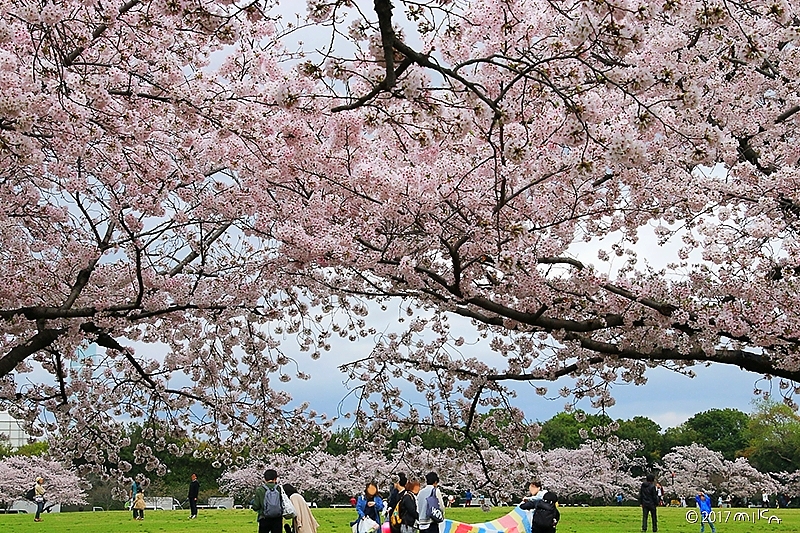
(774, 438)
(597, 188)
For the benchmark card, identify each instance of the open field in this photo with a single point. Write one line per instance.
(573, 520)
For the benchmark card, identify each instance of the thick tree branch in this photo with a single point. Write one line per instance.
(20, 352)
(383, 8)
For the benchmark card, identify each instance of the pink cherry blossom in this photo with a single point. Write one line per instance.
(544, 189)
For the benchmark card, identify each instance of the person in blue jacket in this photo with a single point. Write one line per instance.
(370, 503)
(704, 504)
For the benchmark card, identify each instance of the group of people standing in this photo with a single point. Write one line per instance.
(138, 505)
(416, 509)
(274, 502)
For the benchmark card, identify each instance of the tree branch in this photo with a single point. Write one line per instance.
(383, 8)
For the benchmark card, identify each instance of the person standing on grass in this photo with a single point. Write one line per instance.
(704, 504)
(394, 494)
(426, 522)
(38, 498)
(648, 500)
(304, 521)
(408, 507)
(194, 492)
(136, 488)
(138, 506)
(535, 491)
(545, 512)
(268, 504)
(370, 504)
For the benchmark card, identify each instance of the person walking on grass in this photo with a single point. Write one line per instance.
(304, 521)
(397, 489)
(426, 521)
(408, 507)
(648, 500)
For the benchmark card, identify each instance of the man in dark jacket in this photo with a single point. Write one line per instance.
(648, 499)
(194, 491)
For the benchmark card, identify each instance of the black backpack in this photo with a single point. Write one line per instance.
(30, 494)
(544, 517)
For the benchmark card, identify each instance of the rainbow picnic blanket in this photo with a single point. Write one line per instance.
(517, 521)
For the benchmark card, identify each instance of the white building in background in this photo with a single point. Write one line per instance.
(11, 428)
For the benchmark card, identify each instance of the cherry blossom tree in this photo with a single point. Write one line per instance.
(63, 484)
(596, 188)
(597, 469)
(695, 468)
(789, 483)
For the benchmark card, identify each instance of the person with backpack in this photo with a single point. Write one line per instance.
(38, 498)
(394, 512)
(430, 505)
(406, 510)
(545, 512)
(397, 489)
(648, 500)
(268, 503)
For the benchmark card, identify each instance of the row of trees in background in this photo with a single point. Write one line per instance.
(169, 478)
(769, 437)
(593, 472)
(718, 448)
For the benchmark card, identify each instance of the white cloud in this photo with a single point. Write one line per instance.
(671, 419)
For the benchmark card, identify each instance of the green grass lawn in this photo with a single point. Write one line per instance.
(573, 520)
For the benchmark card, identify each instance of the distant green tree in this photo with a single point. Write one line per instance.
(340, 442)
(175, 482)
(677, 436)
(774, 438)
(5, 446)
(721, 430)
(647, 432)
(563, 430)
(38, 449)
